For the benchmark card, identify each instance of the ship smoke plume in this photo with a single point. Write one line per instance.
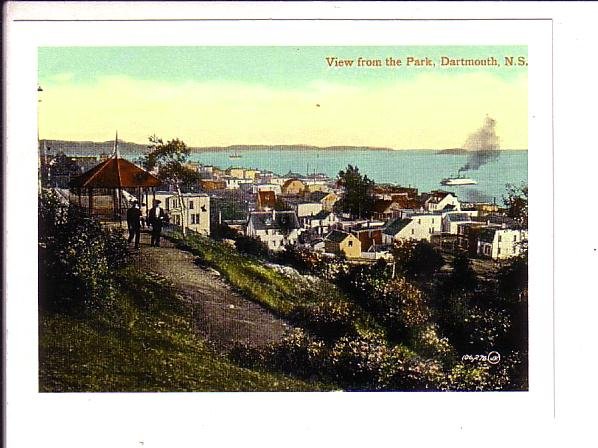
(482, 146)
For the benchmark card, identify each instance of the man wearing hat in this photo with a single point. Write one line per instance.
(134, 223)
(155, 218)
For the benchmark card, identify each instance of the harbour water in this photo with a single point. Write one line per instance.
(423, 169)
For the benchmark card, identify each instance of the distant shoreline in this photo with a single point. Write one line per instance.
(69, 146)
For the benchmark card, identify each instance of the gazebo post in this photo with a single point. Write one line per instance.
(90, 193)
(120, 198)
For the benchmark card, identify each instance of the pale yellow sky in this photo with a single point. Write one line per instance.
(403, 110)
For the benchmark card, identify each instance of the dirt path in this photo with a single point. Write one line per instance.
(220, 314)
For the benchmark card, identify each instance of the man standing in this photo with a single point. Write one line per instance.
(133, 222)
(156, 217)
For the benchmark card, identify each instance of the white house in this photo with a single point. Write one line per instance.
(442, 200)
(305, 209)
(233, 183)
(322, 222)
(275, 229)
(451, 221)
(191, 209)
(267, 187)
(416, 227)
(500, 243)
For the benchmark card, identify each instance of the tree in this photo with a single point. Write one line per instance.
(168, 159)
(424, 261)
(516, 203)
(357, 198)
(463, 277)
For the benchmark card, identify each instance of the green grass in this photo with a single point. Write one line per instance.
(267, 286)
(145, 343)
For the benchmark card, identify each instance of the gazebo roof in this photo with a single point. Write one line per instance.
(115, 173)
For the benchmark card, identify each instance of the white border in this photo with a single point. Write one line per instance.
(273, 419)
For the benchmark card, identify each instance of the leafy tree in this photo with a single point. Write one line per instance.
(357, 198)
(423, 262)
(169, 161)
(516, 203)
(463, 277)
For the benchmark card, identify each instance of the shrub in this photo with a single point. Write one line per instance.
(251, 246)
(76, 259)
(329, 319)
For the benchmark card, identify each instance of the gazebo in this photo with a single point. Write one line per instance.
(109, 179)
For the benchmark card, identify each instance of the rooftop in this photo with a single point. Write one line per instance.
(396, 226)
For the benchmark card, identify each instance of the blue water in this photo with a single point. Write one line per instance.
(420, 169)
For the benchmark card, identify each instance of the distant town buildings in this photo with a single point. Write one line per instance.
(292, 209)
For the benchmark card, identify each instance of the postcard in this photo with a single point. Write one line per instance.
(258, 215)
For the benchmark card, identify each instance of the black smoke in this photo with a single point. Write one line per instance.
(483, 146)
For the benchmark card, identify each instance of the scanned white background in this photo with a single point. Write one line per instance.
(539, 417)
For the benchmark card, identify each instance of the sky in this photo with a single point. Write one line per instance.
(220, 96)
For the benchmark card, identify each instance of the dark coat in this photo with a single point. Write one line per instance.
(156, 221)
(133, 217)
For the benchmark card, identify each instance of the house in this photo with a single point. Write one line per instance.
(267, 187)
(293, 187)
(275, 229)
(499, 244)
(385, 209)
(326, 198)
(313, 186)
(439, 200)
(451, 221)
(386, 191)
(233, 183)
(321, 223)
(190, 209)
(368, 236)
(339, 242)
(305, 209)
(468, 235)
(237, 173)
(212, 184)
(416, 227)
(266, 199)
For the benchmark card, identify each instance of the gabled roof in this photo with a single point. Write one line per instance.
(396, 226)
(318, 195)
(454, 217)
(290, 181)
(279, 220)
(381, 206)
(338, 236)
(115, 173)
(487, 235)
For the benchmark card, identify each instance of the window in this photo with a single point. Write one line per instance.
(412, 231)
(515, 237)
(499, 238)
(190, 205)
(419, 221)
(498, 253)
(350, 243)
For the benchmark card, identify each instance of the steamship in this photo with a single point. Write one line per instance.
(458, 180)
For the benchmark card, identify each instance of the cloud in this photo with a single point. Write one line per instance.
(429, 111)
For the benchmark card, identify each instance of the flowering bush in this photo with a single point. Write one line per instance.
(329, 319)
